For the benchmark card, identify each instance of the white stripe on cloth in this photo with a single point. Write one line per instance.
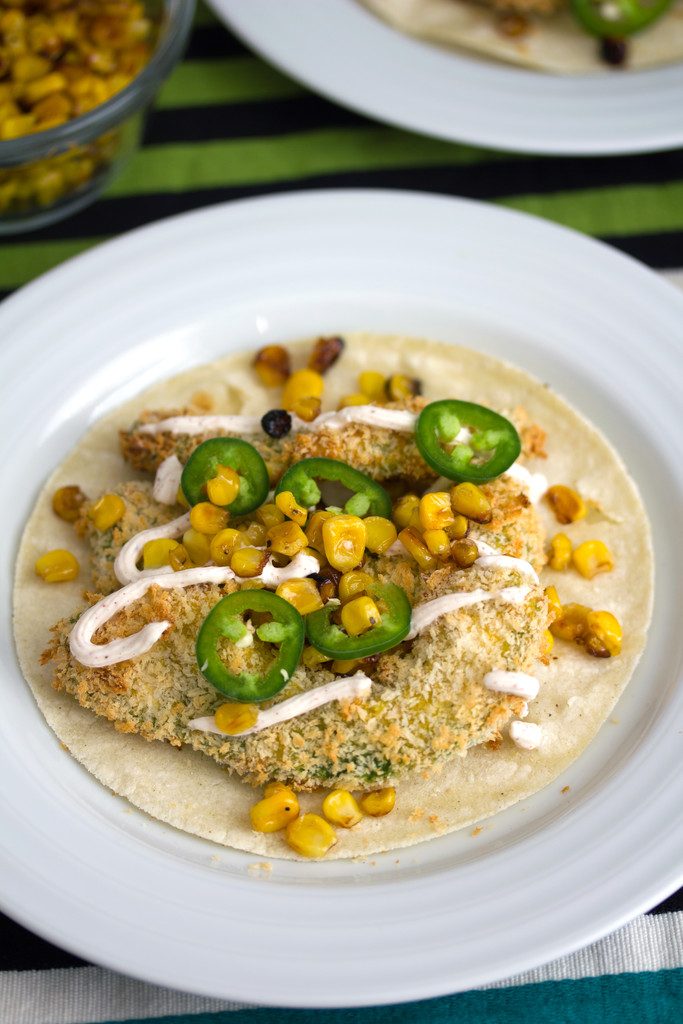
(88, 995)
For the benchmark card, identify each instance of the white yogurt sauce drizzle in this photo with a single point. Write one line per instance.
(526, 735)
(519, 684)
(536, 484)
(424, 614)
(372, 415)
(125, 564)
(167, 481)
(348, 688)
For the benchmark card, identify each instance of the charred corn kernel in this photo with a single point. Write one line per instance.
(197, 546)
(254, 534)
(209, 519)
(435, 511)
(438, 543)
(344, 541)
(606, 629)
(554, 604)
(290, 507)
(302, 384)
(560, 552)
(572, 622)
(275, 812)
(276, 787)
(360, 615)
(269, 515)
(306, 408)
(314, 529)
(353, 584)
(566, 503)
(464, 553)
(310, 835)
(223, 488)
(341, 808)
(40, 87)
(57, 566)
(325, 354)
(181, 499)
(223, 544)
(179, 558)
(548, 642)
(379, 802)
(380, 534)
(313, 658)
(287, 538)
(356, 398)
(302, 594)
(344, 667)
(235, 718)
(156, 553)
(406, 510)
(592, 557)
(248, 562)
(328, 590)
(272, 365)
(67, 502)
(107, 511)
(400, 387)
(415, 546)
(470, 501)
(372, 384)
(458, 528)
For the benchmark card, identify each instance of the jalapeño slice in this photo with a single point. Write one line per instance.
(205, 463)
(225, 621)
(492, 445)
(613, 19)
(301, 481)
(394, 626)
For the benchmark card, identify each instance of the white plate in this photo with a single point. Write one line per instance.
(549, 875)
(341, 50)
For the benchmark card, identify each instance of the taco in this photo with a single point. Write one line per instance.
(356, 606)
(561, 36)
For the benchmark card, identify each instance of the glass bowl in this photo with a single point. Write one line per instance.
(48, 175)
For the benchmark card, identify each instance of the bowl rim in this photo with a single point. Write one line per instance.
(177, 16)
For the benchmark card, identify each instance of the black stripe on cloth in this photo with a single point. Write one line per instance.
(662, 251)
(211, 41)
(673, 903)
(21, 950)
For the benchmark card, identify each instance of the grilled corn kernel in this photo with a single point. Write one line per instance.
(302, 594)
(572, 622)
(399, 387)
(254, 534)
(223, 545)
(107, 511)
(314, 529)
(464, 553)
(209, 519)
(380, 534)
(459, 528)
(310, 835)
(306, 408)
(435, 511)
(287, 538)
(179, 558)
(223, 488)
(156, 553)
(470, 501)
(560, 552)
(197, 546)
(41, 87)
(344, 541)
(302, 384)
(248, 562)
(275, 787)
(67, 502)
(275, 812)
(603, 629)
(325, 354)
(313, 658)
(566, 503)
(406, 511)
(269, 515)
(28, 67)
(355, 398)
(548, 642)
(289, 506)
(272, 365)
(343, 667)
(353, 584)
(341, 808)
(373, 385)
(360, 615)
(379, 802)
(415, 546)
(592, 557)
(235, 718)
(554, 604)
(438, 543)
(57, 566)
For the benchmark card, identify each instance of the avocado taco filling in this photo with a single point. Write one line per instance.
(341, 601)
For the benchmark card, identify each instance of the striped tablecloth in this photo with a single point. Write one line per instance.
(227, 125)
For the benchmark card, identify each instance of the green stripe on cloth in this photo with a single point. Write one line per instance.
(26, 260)
(648, 998)
(233, 80)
